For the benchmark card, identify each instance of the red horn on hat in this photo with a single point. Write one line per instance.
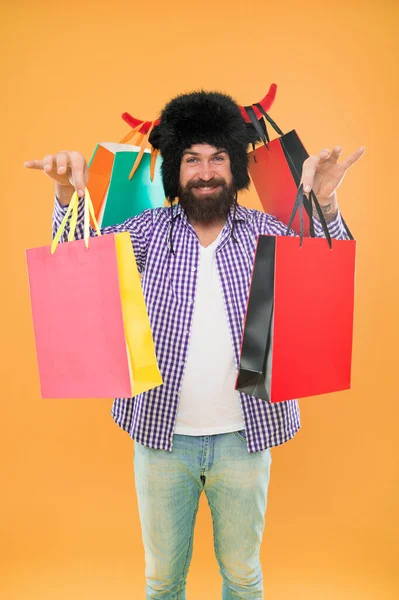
(266, 103)
(134, 123)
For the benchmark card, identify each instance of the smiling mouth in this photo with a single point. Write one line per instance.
(207, 190)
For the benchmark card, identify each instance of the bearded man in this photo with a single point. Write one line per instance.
(195, 433)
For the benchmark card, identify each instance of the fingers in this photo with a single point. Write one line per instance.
(324, 154)
(78, 170)
(66, 168)
(308, 172)
(48, 162)
(325, 157)
(44, 165)
(310, 165)
(353, 158)
(335, 154)
(62, 160)
(34, 164)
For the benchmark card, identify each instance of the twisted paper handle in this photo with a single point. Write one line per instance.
(72, 213)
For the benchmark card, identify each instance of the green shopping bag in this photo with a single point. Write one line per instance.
(117, 195)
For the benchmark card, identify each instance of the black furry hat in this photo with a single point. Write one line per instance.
(202, 118)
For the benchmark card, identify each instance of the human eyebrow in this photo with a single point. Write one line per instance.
(192, 153)
(221, 151)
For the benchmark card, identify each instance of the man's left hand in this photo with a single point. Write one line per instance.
(324, 175)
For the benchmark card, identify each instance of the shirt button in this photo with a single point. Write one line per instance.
(191, 301)
(194, 269)
(187, 332)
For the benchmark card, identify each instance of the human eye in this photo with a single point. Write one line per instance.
(219, 158)
(191, 160)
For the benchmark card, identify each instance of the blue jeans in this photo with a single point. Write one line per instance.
(168, 487)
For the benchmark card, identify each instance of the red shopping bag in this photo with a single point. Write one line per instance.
(276, 169)
(92, 332)
(297, 338)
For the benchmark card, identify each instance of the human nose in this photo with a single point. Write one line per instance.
(206, 171)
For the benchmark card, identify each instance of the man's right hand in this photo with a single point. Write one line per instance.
(68, 170)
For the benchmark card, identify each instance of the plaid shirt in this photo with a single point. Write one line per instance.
(169, 283)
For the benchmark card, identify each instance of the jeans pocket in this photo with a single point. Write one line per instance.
(241, 435)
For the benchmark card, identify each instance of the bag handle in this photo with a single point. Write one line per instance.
(312, 196)
(143, 144)
(134, 132)
(298, 205)
(263, 134)
(154, 155)
(142, 141)
(307, 202)
(269, 119)
(72, 213)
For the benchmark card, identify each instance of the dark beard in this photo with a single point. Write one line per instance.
(210, 208)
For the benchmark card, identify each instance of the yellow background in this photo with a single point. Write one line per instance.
(69, 522)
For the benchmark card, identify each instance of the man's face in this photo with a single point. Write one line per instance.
(206, 183)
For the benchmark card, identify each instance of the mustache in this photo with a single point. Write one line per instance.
(200, 183)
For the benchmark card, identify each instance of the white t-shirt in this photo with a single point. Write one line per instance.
(208, 403)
